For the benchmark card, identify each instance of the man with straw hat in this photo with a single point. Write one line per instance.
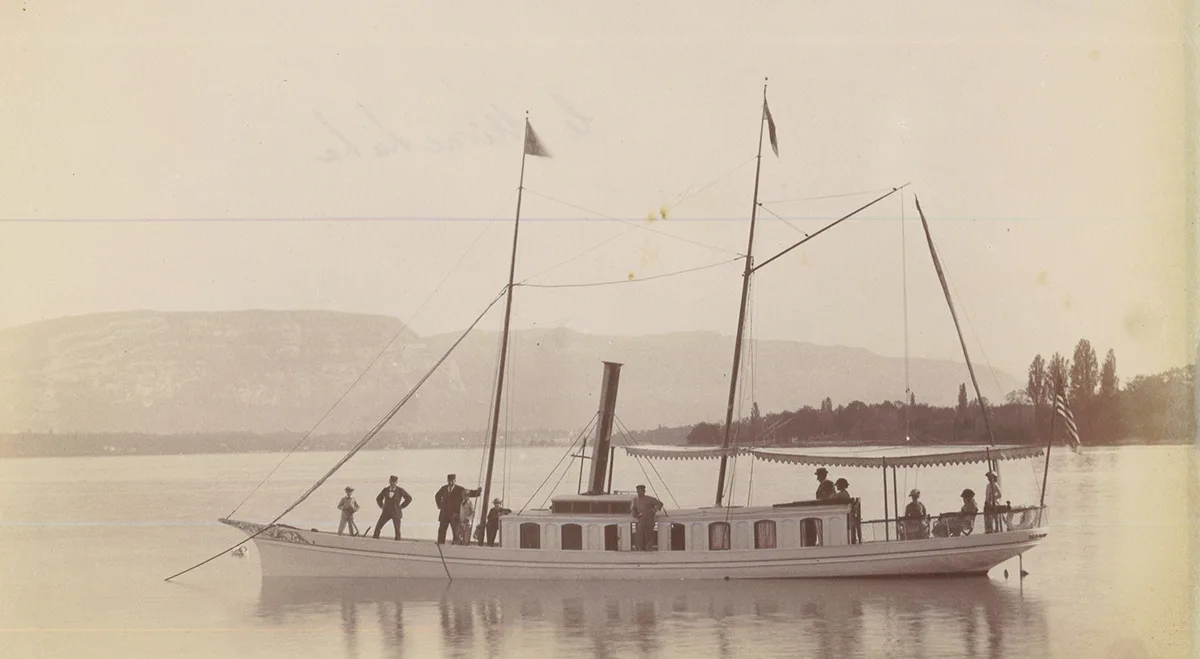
(348, 506)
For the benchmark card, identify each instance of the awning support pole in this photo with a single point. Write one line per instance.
(887, 525)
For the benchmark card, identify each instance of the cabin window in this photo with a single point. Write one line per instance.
(764, 534)
(572, 536)
(718, 535)
(531, 536)
(678, 537)
(810, 532)
(612, 541)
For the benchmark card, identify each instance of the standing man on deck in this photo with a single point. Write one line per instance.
(348, 506)
(644, 508)
(392, 501)
(493, 521)
(991, 505)
(449, 501)
(825, 489)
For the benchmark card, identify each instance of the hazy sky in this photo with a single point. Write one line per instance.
(1047, 145)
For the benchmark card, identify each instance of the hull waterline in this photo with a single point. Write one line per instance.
(289, 552)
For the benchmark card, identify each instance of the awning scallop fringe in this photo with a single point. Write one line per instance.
(684, 452)
(922, 460)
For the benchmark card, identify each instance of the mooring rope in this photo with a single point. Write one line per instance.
(443, 557)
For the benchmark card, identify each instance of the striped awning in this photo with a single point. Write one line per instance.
(922, 460)
(684, 452)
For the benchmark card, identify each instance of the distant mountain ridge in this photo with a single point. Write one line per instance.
(271, 371)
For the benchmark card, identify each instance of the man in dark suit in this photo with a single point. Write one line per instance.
(449, 500)
(392, 501)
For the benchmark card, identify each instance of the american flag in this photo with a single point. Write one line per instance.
(1060, 408)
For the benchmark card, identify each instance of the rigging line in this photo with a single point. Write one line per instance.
(975, 335)
(635, 225)
(491, 407)
(587, 429)
(650, 480)
(904, 283)
(750, 488)
(686, 196)
(971, 325)
(508, 403)
(361, 375)
(635, 280)
(747, 377)
(579, 255)
(832, 224)
(558, 482)
(629, 435)
(779, 217)
(363, 442)
(828, 196)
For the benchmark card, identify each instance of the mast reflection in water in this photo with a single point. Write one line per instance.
(821, 618)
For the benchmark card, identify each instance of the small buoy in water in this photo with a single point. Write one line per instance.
(726, 578)
(239, 552)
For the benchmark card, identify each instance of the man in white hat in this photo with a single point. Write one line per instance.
(914, 517)
(991, 504)
(493, 520)
(348, 506)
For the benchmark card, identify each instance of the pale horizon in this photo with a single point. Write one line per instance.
(1049, 146)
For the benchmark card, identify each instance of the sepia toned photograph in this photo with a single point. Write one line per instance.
(709, 329)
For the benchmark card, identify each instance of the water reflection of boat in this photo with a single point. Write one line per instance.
(842, 617)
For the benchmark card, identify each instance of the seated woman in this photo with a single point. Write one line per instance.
(966, 517)
(914, 518)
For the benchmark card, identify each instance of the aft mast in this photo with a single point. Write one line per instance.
(769, 122)
(533, 147)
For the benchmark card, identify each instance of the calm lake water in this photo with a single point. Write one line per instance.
(86, 542)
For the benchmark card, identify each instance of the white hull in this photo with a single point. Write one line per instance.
(290, 552)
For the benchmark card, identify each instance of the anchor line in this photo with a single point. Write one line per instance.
(362, 443)
(443, 557)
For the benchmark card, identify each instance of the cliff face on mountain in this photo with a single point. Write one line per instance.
(269, 371)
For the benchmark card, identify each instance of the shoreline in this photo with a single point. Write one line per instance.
(73, 448)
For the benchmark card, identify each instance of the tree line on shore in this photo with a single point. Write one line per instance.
(1148, 409)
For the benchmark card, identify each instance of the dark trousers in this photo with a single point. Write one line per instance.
(491, 534)
(643, 536)
(452, 523)
(383, 519)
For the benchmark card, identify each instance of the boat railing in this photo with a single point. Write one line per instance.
(949, 524)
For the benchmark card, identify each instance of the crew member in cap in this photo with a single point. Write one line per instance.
(914, 514)
(825, 488)
(449, 501)
(392, 501)
(348, 506)
(493, 520)
(644, 509)
(991, 504)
